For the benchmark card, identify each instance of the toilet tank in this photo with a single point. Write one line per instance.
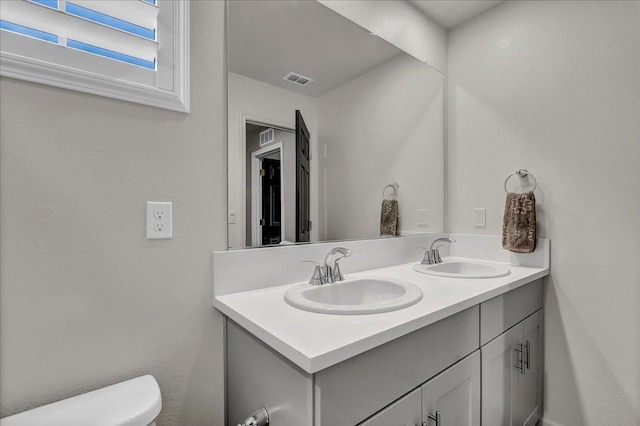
(135, 402)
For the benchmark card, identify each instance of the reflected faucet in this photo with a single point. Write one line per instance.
(432, 255)
(331, 267)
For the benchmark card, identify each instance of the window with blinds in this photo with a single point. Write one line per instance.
(112, 42)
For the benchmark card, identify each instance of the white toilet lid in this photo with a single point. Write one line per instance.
(135, 402)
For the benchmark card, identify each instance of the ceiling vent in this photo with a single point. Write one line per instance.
(297, 79)
(267, 136)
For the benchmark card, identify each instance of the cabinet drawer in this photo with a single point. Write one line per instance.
(349, 392)
(405, 411)
(503, 312)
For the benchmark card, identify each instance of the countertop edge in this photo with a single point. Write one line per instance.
(284, 349)
(320, 362)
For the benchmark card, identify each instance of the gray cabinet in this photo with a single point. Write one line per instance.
(433, 369)
(512, 375)
(353, 390)
(453, 396)
(349, 392)
(404, 412)
(530, 384)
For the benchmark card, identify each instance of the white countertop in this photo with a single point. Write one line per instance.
(315, 341)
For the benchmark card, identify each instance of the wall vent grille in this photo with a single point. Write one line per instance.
(267, 136)
(297, 79)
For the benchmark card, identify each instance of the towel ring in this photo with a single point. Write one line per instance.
(394, 194)
(522, 173)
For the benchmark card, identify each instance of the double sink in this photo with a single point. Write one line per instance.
(377, 295)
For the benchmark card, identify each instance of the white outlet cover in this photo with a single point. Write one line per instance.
(479, 217)
(159, 220)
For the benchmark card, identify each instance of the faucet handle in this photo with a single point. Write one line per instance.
(436, 256)
(428, 256)
(318, 277)
(336, 274)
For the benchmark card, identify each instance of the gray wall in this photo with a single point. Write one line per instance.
(554, 87)
(85, 299)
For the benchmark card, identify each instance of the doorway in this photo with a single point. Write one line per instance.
(272, 194)
(267, 201)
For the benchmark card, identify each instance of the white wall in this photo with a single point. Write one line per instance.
(85, 299)
(378, 130)
(266, 104)
(554, 87)
(401, 24)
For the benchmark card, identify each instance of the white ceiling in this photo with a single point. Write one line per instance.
(449, 13)
(269, 39)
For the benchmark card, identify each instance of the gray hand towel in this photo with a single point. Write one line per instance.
(519, 223)
(389, 218)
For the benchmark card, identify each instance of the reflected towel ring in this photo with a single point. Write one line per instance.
(394, 191)
(523, 173)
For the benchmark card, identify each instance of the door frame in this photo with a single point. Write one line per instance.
(242, 172)
(256, 191)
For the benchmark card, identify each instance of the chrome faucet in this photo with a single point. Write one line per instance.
(331, 267)
(432, 255)
(330, 271)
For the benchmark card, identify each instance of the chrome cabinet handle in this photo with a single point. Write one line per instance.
(520, 365)
(527, 355)
(436, 418)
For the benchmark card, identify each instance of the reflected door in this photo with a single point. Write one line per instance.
(303, 222)
(271, 205)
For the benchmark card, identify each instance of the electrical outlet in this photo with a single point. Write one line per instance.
(479, 218)
(159, 220)
(422, 217)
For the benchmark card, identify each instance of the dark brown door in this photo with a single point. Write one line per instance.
(303, 220)
(271, 207)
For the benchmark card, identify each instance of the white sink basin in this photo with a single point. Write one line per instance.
(463, 269)
(354, 296)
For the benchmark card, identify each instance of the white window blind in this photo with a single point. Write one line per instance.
(113, 42)
(65, 24)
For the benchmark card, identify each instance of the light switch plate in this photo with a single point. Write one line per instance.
(159, 220)
(422, 217)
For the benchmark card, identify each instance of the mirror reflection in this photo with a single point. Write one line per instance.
(326, 122)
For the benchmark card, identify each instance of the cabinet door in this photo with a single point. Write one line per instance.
(404, 412)
(500, 378)
(529, 384)
(454, 395)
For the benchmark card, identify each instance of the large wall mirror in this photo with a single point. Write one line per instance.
(323, 116)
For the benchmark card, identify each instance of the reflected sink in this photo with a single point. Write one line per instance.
(463, 269)
(354, 296)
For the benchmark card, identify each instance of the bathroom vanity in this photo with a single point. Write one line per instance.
(422, 364)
